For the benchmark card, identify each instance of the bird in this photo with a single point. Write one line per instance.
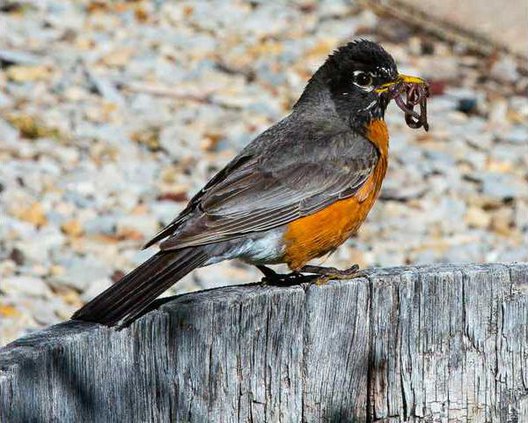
(296, 192)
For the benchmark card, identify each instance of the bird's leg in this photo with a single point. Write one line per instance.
(329, 273)
(273, 278)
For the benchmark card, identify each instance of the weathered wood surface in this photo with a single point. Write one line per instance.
(435, 344)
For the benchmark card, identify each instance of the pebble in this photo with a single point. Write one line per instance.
(145, 225)
(76, 274)
(110, 119)
(11, 57)
(477, 217)
(95, 287)
(505, 69)
(25, 285)
(517, 135)
(501, 186)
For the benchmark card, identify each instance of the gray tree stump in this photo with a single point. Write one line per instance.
(435, 344)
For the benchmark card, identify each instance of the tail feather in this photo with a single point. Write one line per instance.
(127, 299)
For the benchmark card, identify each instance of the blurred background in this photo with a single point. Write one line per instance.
(113, 113)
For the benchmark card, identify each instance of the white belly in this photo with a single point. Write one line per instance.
(265, 248)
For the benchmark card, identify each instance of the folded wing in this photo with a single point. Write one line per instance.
(262, 190)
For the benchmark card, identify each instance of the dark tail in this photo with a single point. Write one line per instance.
(128, 298)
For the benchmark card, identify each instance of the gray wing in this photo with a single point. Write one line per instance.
(271, 184)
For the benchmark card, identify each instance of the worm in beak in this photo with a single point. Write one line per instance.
(409, 92)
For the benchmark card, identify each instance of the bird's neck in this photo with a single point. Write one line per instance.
(377, 133)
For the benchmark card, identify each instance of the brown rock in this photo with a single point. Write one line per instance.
(33, 214)
(72, 228)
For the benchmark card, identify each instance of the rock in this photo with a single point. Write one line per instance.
(101, 225)
(521, 215)
(477, 218)
(517, 135)
(105, 88)
(22, 73)
(467, 105)
(145, 225)
(76, 274)
(400, 192)
(498, 112)
(72, 228)
(179, 141)
(33, 214)
(166, 211)
(14, 57)
(502, 221)
(8, 134)
(5, 101)
(44, 313)
(95, 288)
(25, 285)
(501, 186)
(32, 251)
(505, 69)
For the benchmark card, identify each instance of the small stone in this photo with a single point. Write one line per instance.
(101, 225)
(32, 128)
(56, 270)
(437, 87)
(178, 196)
(72, 228)
(69, 295)
(118, 58)
(105, 88)
(33, 214)
(17, 256)
(502, 186)
(8, 311)
(502, 221)
(5, 102)
(22, 73)
(25, 285)
(498, 112)
(467, 105)
(95, 288)
(521, 215)
(477, 218)
(44, 313)
(33, 251)
(517, 135)
(145, 225)
(505, 69)
(12, 57)
(148, 137)
(80, 272)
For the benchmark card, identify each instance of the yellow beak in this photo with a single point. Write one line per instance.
(401, 78)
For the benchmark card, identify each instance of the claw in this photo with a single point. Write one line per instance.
(319, 275)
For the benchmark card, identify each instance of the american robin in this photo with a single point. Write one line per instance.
(296, 192)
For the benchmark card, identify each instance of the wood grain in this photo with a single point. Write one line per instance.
(435, 344)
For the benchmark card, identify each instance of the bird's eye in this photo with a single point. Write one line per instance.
(362, 79)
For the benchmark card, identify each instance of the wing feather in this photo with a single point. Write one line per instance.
(258, 192)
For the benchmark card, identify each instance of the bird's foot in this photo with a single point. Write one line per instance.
(319, 275)
(325, 274)
(284, 279)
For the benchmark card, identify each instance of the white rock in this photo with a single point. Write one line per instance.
(25, 285)
(94, 288)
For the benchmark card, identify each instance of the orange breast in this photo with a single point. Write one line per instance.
(317, 234)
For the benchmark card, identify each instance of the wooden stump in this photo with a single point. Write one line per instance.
(437, 343)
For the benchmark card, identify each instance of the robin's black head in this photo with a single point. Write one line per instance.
(355, 82)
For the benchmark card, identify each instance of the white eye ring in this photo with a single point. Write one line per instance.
(366, 84)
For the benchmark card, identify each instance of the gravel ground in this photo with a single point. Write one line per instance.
(112, 114)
